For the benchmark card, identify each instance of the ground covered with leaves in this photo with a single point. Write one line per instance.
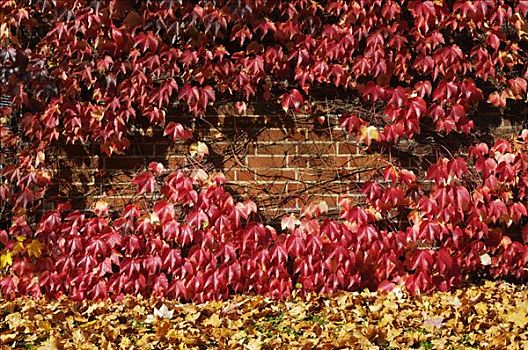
(493, 315)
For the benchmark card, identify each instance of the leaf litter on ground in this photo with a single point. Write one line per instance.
(493, 315)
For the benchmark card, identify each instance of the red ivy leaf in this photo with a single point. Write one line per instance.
(292, 100)
(462, 197)
(145, 182)
(517, 85)
(148, 41)
(493, 41)
(497, 99)
(207, 95)
(290, 222)
(176, 131)
(517, 211)
(351, 123)
(24, 198)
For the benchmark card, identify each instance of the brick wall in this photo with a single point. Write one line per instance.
(281, 162)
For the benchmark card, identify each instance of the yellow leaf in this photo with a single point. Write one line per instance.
(154, 218)
(88, 324)
(254, 344)
(368, 134)
(385, 320)
(101, 207)
(481, 308)
(298, 312)
(199, 149)
(214, 321)
(17, 247)
(6, 259)
(34, 248)
(192, 316)
(125, 343)
(507, 58)
(45, 326)
(519, 316)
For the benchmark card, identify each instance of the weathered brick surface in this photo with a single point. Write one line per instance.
(280, 164)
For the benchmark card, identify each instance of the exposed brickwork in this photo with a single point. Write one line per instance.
(280, 163)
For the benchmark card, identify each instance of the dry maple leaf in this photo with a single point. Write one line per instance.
(214, 321)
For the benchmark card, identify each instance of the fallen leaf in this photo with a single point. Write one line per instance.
(435, 322)
(214, 321)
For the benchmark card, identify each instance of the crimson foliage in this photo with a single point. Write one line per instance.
(94, 72)
(427, 237)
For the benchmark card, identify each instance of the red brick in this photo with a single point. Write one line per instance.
(315, 148)
(368, 175)
(505, 123)
(118, 177)
(342, 162)
(241, 190)
(325, 135)
(284, 173)
(76, 150)
(275, 149)
(329, 175)
(66, 189)
(367, 161)
(296, 186)
(309, 175)
(272, 135)
(121, 190)
(368, 167)
(118, 202)
(297, 161)
(206, 133)
(244, 175)
(347, 148)
(277, 206)
(273, 188)
(299, 135)
(260, 162)
(326, 162)
(331, 200)
(314, 164)
(229, 163)
(230, 174)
